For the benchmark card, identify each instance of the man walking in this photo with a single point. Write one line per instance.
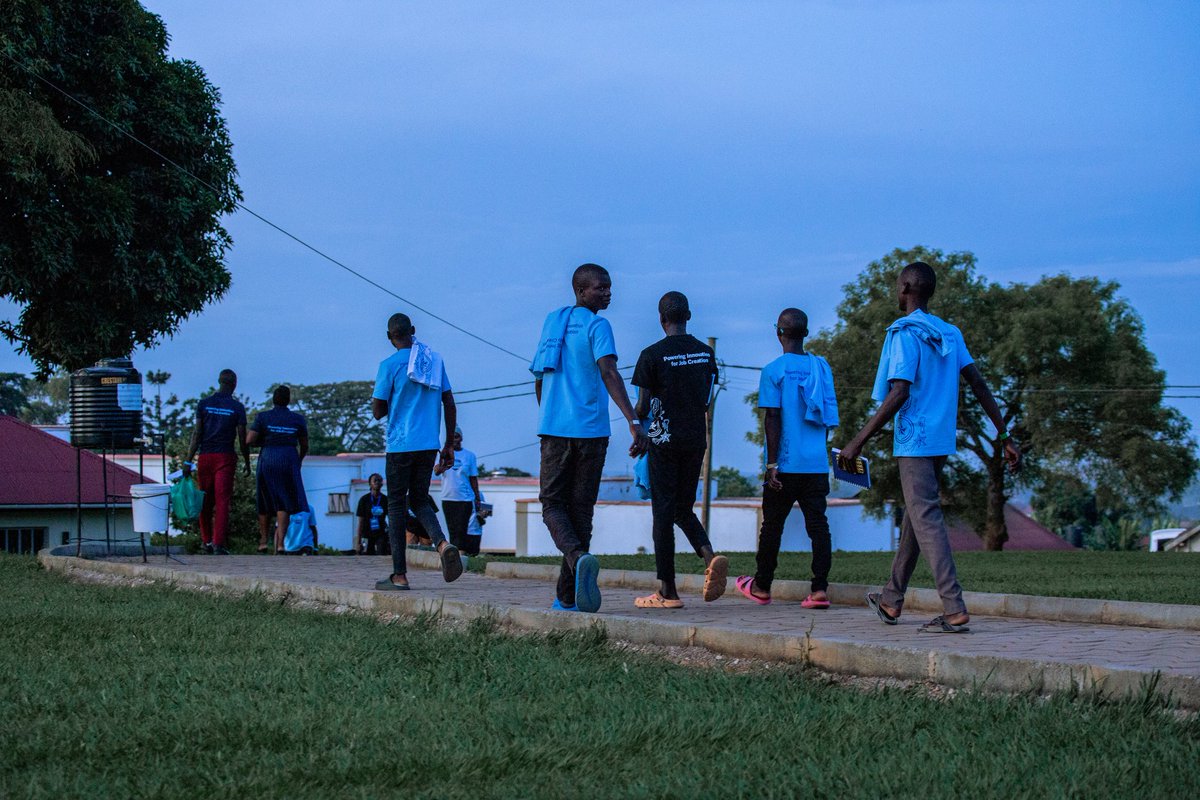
(675, 378)
(460, 495)
(220, 421)
(797, 395)
(576, 363)
(917, 382)
(412, 390)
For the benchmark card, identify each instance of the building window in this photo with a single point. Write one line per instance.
(339, 503)
(22, 540)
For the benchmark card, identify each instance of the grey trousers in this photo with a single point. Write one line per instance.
(923, 531)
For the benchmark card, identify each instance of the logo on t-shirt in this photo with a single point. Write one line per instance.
(660, 426)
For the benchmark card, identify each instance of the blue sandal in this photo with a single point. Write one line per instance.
(587, 591)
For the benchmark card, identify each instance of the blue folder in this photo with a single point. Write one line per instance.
(861, 476)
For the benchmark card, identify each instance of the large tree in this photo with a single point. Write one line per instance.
(104, 245)
(1067, 360)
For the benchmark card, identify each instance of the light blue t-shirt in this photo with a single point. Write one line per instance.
(414, 416)
(574, 400)
(927, 423)
(802, 443)
(456, 481)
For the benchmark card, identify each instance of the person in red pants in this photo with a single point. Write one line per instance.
(220, 421)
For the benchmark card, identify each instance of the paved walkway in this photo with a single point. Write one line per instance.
(1009, 653)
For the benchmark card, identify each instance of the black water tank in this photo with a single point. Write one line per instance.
(106, 405)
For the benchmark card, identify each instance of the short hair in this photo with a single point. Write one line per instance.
(920, 276)
(373, 476)
(399, 325)
(673, 307)
(793, 323)
(227, 377)
(282, 395)
(587, 272)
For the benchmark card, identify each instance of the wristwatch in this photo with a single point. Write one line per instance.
(773, 466)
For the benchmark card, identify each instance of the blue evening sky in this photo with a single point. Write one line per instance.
(753, 155)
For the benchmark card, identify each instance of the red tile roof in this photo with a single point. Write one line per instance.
(1024, 533)
(38, 469)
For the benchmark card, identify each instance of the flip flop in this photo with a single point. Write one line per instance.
(656, 600)
(939, 625)
(875, 601)
(716, 578)
(811, 602)
(587, 591)
(262, 548)
(745, 584)
(452, 566)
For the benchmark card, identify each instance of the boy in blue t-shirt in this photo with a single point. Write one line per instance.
(917, 383)
(412, 390)
(576, 371)
(797, 395)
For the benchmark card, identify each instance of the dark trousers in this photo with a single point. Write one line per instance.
(214, 475)
(809, 490)
(570, 484)
(408, 477)
(674, 473)
(377, 543)
(458, 518)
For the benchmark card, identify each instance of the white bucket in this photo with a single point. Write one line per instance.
(151, 507)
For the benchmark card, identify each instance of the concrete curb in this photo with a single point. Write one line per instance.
(1060, 609)
(828, 654)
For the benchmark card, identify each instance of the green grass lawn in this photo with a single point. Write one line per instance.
(1147, 577)
(148, 692)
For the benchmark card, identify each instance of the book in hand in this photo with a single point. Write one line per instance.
(859, 476)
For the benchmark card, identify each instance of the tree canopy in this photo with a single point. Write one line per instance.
(1067, 360)
(103, 245)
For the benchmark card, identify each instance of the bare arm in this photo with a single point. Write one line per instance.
(450, 412)
(897, 396)
(194, 445)
(379, 408)
(537, 390)
(244, 443)
(303, 436)
(362, 534)
(251, 437)
(1012, 453)
(475, 488)
(616, 390)
(642, 410)
(773, 428)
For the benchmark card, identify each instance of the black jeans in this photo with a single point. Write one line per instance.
(674, 473)
(810, 491)
(408, 477)
(458, 518)
(570, 484)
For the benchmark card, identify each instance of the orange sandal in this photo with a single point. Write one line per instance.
(656, 600)
(716, 578)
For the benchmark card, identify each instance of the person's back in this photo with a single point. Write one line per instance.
(220, 424)
(926, 425)
(574, 403)
(222, 414)
(279, 427)
(678, 371)
(414, 409)
(803, 439)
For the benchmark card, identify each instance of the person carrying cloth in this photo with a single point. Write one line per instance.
(796, 393)
(575, 371)
(675, 378)
(412, 390)
(460, 495)
(917, 383)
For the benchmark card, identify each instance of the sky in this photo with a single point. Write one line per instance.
(753, 155)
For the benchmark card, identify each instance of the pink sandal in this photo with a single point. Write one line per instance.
(745, 584)
(811, 602)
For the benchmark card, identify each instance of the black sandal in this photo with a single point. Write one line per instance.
(939, 625)
(875, 601)
(452, 566)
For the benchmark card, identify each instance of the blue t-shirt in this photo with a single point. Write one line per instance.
(220, 415)
(279, 427)
(456, 481)
(414, 409)
(926, 424)
(574, 400)
(802, 443)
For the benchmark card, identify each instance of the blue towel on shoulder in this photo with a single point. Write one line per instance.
(925, 329)
(820, 401)
(550, 345)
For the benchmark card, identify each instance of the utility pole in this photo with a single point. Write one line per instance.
(706, 488)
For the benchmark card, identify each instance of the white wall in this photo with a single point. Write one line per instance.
(623, 527)
(58, 521)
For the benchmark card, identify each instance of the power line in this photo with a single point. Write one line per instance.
(512, 385)
(258, 216)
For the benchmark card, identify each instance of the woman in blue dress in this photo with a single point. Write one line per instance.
(279, 431)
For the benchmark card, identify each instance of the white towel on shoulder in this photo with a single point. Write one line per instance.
(425, 366)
